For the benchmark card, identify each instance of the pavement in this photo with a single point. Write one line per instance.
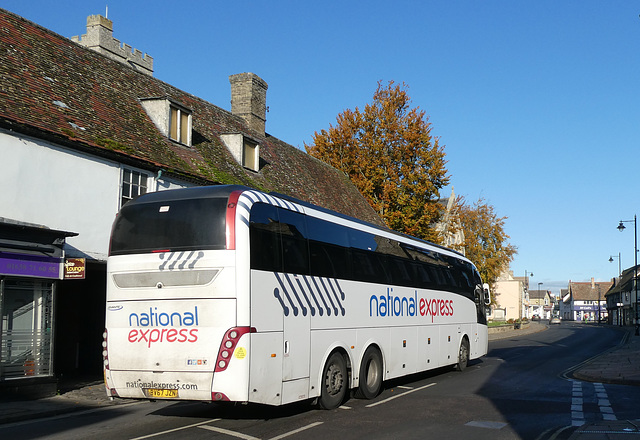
(618, 365)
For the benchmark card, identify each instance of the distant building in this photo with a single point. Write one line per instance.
(511, 297)
(540, 303)
(621, 298)
(585, 301)
(449, 227)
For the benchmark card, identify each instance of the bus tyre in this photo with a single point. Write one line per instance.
(334, 382)
(463, 355)
(370, 374)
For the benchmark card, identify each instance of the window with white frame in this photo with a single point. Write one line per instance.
(170, 117)
(245, 150)
(179, 125)
(134, 183)
(250, 157)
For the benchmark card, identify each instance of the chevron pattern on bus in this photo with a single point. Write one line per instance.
(307, 294)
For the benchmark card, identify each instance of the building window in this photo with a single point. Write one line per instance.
(170, 117)
(179, 125)
(245, 150)
(250, 158)
(134, 183)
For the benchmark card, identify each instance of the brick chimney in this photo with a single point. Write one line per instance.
(99, 37)
(249, 100)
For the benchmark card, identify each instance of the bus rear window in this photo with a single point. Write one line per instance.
(174, 225)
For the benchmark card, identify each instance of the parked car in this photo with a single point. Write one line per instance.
(554, 320)
(535, 318)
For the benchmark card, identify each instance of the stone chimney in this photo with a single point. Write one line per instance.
(249, 100)
(99, 37)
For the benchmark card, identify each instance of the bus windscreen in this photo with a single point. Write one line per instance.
(173, 225)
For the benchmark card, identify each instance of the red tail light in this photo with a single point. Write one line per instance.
(219, 397)
(228, 346)
(105, 353)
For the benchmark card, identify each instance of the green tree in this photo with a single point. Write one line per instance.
(390, 155)
(486, 242)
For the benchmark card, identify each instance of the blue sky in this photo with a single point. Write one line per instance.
(535, 101)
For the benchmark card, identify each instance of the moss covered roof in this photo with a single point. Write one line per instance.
(55, 89)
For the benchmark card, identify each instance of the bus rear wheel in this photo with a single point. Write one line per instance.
(370, 374)
(334, 382)
(463, 355)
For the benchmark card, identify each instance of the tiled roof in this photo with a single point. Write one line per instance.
(588, 291)
(537, 294)
(55, 89)
(625, 282)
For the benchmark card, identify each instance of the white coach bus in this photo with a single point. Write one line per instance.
(225, 293)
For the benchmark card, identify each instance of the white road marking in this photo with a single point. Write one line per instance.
(400, 395)
(295, 431)
(175, 429)
(228, 432)
(486, 424)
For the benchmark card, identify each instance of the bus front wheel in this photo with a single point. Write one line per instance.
(370, 374)
(463, 355)
(334, 382)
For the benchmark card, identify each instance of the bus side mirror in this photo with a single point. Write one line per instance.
(487, 294)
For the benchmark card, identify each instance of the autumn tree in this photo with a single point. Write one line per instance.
(388, 152)
(486, 242)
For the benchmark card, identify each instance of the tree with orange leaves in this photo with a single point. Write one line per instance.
(390, 155)
(486, 242)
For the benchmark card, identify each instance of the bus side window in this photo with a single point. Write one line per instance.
(369, 264)
(328, 249)
(401, 271)
(266, 250)
(295, 247)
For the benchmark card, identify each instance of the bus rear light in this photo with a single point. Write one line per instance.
(219, 397)
(105, 353)
(228, 345)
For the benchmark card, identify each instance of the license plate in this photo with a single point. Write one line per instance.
(157, 393)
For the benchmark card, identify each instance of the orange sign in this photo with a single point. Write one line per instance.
(74, 268)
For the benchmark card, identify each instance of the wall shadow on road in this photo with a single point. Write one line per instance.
(531, 386)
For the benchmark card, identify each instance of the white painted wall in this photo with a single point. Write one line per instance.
(56, 187)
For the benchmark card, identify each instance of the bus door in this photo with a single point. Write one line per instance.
(297, 318)
(298, 306)
(296, 326)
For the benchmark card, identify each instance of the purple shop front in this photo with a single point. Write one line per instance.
(30, 265)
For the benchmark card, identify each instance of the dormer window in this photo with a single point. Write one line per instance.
(180, 125)
(250, 158)
(170, 117)
(244, 149)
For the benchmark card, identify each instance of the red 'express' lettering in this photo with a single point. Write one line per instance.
(150, 336)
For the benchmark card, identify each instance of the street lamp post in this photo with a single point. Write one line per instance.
(635, 268)
(525, 289)
(619, 300)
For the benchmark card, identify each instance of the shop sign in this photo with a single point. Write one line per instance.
(588, 308)
(75, 268)
(30, 265)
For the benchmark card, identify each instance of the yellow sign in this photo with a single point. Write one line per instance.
(157, 393)
(241, 353)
